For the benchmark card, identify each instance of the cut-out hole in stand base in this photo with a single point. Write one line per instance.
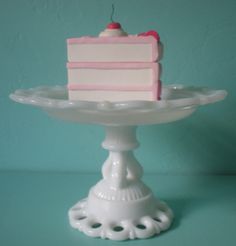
(141, 227)
(118, 228)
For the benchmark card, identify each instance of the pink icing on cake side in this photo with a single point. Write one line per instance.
(158, 91)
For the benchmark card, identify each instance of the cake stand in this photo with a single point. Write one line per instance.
(120, 206)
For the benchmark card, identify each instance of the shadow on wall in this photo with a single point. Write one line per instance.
(194, 145)
(183, 207)
(200, 193)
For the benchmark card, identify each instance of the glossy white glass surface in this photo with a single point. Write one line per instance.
(120, 206)
(177, 102)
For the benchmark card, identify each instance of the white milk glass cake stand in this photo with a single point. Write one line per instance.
(120, 206)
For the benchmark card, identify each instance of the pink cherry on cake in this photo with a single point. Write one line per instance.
(114, 25)
(150, 33)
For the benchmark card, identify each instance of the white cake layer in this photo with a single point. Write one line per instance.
(109, 53)
(112, 49)
(113, 74)
(98, 96)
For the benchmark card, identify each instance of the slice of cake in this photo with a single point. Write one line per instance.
(114, 66)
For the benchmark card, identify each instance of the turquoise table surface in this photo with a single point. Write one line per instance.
(33, 209)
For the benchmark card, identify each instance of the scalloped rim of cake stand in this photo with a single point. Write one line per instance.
(177, 102)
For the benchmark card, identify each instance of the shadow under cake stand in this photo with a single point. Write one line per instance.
(120, 206)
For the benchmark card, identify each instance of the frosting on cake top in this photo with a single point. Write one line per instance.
(113, 29)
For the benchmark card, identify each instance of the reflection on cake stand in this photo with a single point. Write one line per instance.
(120, 206)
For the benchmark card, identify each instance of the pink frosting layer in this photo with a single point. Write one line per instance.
(131, 39)
(114, 65)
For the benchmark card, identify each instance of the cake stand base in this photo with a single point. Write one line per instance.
(120, 206)
(107, 228)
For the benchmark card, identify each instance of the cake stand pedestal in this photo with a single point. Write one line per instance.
(120, 206)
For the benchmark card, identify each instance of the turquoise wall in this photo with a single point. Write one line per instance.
(200, 49)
